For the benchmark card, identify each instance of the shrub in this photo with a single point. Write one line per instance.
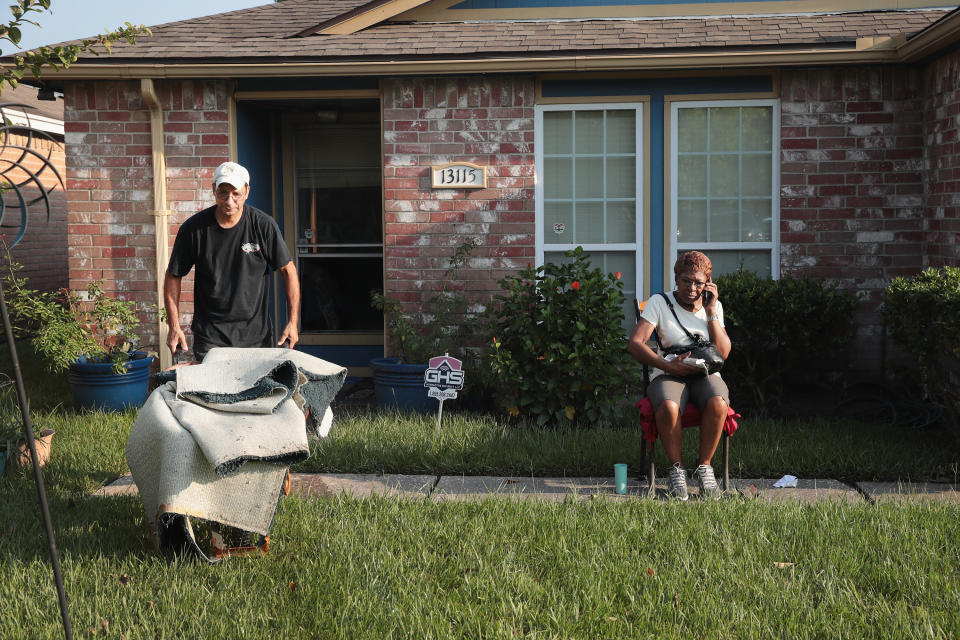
(65, 327)
(777, 326)
(921, 314)
(444, 326)
(558, 351)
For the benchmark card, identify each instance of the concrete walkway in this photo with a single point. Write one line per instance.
(526, 488)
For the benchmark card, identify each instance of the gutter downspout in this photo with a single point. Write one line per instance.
(160, 212)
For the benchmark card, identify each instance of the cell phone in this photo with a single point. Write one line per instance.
(707, 297)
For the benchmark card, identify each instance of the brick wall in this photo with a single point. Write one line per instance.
(852, 192)
(43, 250)
(427, 121)
(109, 177)
(942, 118)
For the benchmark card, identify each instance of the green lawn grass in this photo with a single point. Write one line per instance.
(368, 441)
(393, 568)
(388, 568)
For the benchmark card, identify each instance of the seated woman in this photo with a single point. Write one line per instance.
(673, 382)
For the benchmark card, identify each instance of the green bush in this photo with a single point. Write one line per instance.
(921, 314)
(777, 326)
(445, 325)
(64, 326)
(558, 351)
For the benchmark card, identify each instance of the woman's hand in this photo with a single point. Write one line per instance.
(710, 296)
(677, 367)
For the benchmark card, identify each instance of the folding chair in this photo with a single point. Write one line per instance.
(690, 418)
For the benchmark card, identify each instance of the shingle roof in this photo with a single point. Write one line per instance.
(268, 33)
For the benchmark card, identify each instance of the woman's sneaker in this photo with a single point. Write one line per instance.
(677, 484)
(707, 481)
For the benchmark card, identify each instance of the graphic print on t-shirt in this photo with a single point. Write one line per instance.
(250, 247)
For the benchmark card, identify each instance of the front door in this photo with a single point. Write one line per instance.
(333, 208)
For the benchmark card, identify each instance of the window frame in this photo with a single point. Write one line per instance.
(637, 246)
(773, 245)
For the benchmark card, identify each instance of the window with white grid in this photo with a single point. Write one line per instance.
(589, 187)
(724, 183)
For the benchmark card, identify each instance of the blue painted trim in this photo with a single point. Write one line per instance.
(344, 355)
(254, 131)
(599, 87)
(657, 232)
(526, 4)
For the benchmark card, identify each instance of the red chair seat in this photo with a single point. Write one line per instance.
(690, 418)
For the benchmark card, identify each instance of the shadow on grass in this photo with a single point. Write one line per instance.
(111, 527)
(45, 391)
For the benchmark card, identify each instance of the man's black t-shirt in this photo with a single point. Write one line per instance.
(231, 284)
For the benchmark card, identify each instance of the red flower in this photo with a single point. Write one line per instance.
(576, 285)
(618, 274)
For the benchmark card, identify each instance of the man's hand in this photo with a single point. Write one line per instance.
(176, 338)
(291, 285)
(290, 335)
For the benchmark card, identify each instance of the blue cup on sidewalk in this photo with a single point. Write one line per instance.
(620, 478)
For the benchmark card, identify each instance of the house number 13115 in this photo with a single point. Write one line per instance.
(459, 175)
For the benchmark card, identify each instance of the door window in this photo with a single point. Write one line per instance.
(339, 244)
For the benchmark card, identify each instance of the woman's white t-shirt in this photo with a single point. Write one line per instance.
(657, 313)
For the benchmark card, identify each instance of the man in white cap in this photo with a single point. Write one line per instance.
(233, 247)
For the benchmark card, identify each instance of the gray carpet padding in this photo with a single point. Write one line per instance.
(216, 443)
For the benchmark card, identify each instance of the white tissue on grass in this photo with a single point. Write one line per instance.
(786, 482)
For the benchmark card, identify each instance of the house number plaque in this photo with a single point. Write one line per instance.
(459, 175)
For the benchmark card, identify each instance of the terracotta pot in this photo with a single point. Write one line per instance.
(43, 449)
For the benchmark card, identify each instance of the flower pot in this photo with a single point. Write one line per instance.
(96, 386)
(43, 442)
(400, 386)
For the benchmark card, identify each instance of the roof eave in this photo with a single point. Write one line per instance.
(938, 36)
(484, 64)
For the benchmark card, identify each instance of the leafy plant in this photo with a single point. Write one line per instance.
(58, 57)
(65, 327)
(10, 429)
(921, 315)
(559, 351)
(777, 326)
(445, 326)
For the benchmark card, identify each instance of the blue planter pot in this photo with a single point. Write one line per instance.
(400, 386)
(96, 386)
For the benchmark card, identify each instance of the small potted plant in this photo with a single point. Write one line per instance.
(92, 337)
(444, 327)
(13, 447)
(9, 425)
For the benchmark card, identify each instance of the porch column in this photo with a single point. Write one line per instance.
(159, 212)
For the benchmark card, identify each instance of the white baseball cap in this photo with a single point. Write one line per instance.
(231, 173)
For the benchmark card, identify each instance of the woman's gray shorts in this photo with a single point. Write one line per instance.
(699, 389)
